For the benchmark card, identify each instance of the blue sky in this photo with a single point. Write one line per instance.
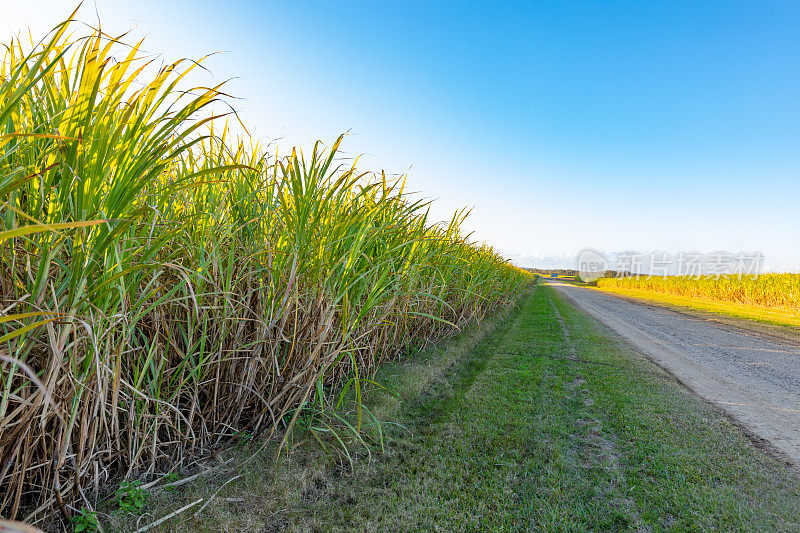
(616, 125)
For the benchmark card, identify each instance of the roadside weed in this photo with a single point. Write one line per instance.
(85, 521)
(131, 497)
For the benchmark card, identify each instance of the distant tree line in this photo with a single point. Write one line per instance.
(572, 272)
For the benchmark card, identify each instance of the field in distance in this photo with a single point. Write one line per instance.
(768, 298)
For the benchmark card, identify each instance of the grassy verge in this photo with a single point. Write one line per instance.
(766, 315)
(540, 420)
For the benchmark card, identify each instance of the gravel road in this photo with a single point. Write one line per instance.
(752, 375)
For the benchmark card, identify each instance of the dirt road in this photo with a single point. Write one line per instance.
(755, 377)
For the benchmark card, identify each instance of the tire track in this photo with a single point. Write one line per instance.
(596, 448)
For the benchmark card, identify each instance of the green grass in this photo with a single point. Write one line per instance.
(539, 420)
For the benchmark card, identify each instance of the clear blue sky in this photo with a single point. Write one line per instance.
(617, 125)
